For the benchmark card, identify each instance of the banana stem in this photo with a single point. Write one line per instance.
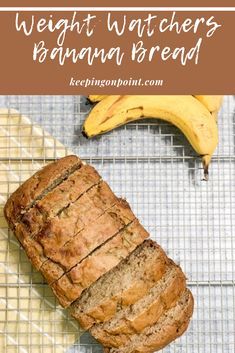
(206, 161)
(85, 134)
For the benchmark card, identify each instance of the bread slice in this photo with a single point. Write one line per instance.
(53, 200)
(67, 256)
(70, 286)
(60, 198)
(73, 219)
(93, 236)
(122, 286)
(57, 231)
(34, 252)
(38, 185)
(145, 312)
(171, 325)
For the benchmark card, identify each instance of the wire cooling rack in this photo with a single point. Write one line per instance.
(153, 166)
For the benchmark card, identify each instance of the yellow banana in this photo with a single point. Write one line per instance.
(212, 103)
(185, 112)
(97, 98)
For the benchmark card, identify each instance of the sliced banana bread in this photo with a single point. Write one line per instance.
(94, 254)
(121, 287)
(170, 325)
(73, 219)
(36, 187)
(72, 183)
(93, 235)
(67, 214)
(145, 312)
(60, 229)
(70, 286)
(55, 201)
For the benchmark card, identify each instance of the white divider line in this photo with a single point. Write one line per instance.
(115, 9)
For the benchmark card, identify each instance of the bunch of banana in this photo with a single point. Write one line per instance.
(193, 115)
(212, 103)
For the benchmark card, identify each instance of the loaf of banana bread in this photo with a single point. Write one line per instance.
(61, 215)
(96, 257)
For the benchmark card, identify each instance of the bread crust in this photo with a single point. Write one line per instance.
(170, 326)
(89, 207)
(86, 241)
(94, 235)
(167, 291)
(65, 257)
(70, 286)
(34, 188)
(57, 231)
(151, 271)
(33, 220)
(60, 198)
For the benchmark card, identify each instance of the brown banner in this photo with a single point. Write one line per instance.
(213, 74)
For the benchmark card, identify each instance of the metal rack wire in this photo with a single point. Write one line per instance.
(152, 165)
